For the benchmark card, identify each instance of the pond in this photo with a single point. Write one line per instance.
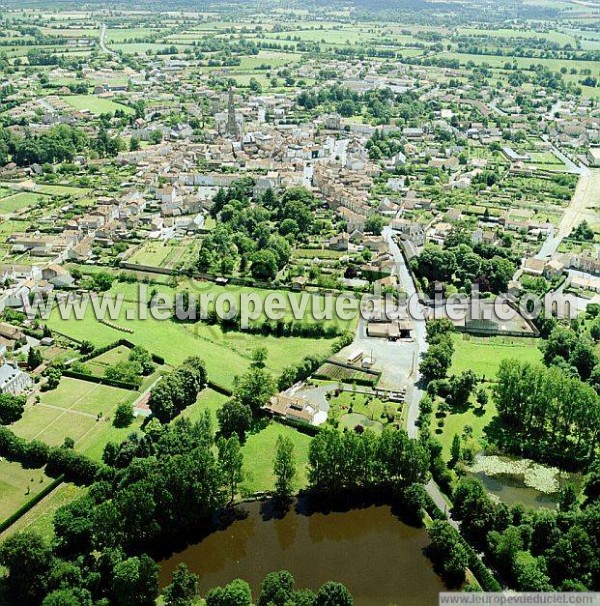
(512, 490)
(515, 480)
(379, 558)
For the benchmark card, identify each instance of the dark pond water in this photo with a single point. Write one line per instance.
(378, 557)
(512, 490)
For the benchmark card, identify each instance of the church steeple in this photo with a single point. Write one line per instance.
(232, 127)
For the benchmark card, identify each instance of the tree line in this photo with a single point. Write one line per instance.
(536, 550)
(547, 413)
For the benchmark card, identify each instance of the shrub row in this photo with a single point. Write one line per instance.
(116, 326)
(482, 573)
(354, 381)
(121, 342)
(100, 380)
(100, 350)
(59, 461)
(431, 507)
(301, 426)
(278, 328)
(220, 389)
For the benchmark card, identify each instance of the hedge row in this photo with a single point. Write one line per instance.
(59, 461)
(220, 388)
(121, 342)
(351, 381)
(431, 507)
(100, 380)
(8, 522)
(301, 426)
(116, 326)
(277, 328)
(482, 573)
(100, 350)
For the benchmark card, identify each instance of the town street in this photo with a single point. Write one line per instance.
(414, 393)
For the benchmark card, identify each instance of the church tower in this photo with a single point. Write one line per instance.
(232, 127)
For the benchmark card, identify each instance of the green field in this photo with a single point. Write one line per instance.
(17, 202)
(552, 36)
(259, 451)
(73, 410)
(208, 399)
(226, 353)
(119, 34)
(95, 105)
(484, 354)
(456, 422)
(205, 289)
(498, 61)
(62, 190)
(163, 254)
(7, 228)
(40, 518)
(18, 486)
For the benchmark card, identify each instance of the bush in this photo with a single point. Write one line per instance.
(123, 415)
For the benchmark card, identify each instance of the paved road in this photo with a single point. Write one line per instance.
(414, 394)
(494, 107)
(573, 167)
(102, 42)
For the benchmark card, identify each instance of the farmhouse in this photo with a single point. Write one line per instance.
(534, 267)
(57, 275)
(12, 379)
(295, 409)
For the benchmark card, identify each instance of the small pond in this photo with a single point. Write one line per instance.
(515, 480)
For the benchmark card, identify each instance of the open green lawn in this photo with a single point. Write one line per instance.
(19, 201)
(259, 451)
(208, 399)
(62, 190)
(71, 410)
(93, 444)
(484, 354)
(18, 486)
(96, 105)
(99, 364)
(272, 59)
(227, 354)
(128, 33)
(162, 254)
(455, 424)
(39, 519)
(7, 228)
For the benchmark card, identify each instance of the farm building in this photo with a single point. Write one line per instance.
(593, 156)
(295, 409)
(12, 379)
(399, 329)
